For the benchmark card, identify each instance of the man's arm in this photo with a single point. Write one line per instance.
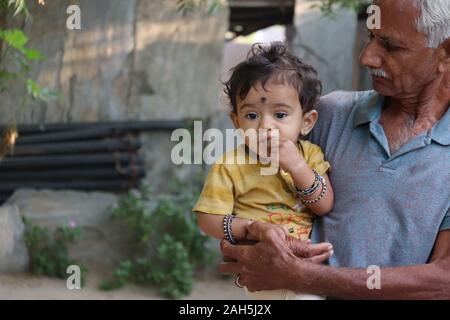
(428, 281)
(288, 271)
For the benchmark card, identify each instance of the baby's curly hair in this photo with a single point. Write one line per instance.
(274, 62)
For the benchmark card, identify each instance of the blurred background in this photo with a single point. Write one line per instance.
(90, 93)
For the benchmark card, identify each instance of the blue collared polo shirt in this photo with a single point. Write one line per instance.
(389, 208)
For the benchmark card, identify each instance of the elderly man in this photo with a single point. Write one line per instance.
(390, 153)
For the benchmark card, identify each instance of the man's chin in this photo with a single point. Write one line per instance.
(383, 89)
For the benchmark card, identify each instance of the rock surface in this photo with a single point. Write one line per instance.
(13, 251)
(104, 241)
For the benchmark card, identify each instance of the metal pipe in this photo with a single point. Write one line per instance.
(66, 160)
(78, 147)
(106, 185)
(89, 133)
(151, 125)
(136, 172)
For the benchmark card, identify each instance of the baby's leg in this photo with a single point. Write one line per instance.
(291, 295)
(280, 295)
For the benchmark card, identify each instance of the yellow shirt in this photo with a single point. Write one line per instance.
(242, 190)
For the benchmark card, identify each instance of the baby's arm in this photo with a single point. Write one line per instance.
(212, 225)
(294, 163)
(303, 177)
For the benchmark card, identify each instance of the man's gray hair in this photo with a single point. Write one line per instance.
(434, 21)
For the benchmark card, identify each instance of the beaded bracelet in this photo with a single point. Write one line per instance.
(307, 192)
(322, 194)
(227, 220)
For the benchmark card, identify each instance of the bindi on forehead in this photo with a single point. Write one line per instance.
(263, 99)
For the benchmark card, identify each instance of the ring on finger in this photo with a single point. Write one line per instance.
(237, 283)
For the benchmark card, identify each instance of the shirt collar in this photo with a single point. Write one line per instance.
(441, 131)
(368, 109)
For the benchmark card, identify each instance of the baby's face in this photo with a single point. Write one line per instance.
(276, 107)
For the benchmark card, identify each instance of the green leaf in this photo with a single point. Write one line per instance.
(33, 55)
(33, 89)
(39, 93)
(7, 75)
(15, 38)
(20, 6)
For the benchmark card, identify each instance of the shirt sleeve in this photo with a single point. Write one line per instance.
(327, 108)
(315, 158)
(217, 196)
(445, 225)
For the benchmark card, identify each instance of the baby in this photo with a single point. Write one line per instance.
(272, 95)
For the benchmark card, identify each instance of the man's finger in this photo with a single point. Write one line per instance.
(257, 230)
(254, 230)
(230, 268)
(228, 250)
(321, 258)
(304, 250)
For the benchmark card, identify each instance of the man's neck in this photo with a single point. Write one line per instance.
(430, 102)
(403, 118)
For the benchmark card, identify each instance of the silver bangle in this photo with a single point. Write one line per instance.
(322, 194)
(227, 221)
(316, 184)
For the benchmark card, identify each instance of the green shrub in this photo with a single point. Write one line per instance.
(48, 249)
(169, 245)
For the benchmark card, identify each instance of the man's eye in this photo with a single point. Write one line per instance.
(281, 115)
(370, 36)
(251, 116)
(391, 47)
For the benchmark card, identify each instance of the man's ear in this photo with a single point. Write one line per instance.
(234, 119)
(309, 121)
(444, 56)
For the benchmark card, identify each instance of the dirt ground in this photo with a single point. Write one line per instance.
(29, 287)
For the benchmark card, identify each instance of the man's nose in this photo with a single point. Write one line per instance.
(370, 56)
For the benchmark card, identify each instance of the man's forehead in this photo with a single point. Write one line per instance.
(398, 20)
(402, 9)
(400, 4)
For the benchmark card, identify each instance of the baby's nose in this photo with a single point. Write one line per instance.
(267, 123)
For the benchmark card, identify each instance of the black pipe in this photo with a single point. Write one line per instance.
(78, 147)
(73, 135)
(66, 160)
(151, 125)
(5, 197)
(106, 185)
(136, 172)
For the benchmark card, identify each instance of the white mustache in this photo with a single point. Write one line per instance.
(379, 73)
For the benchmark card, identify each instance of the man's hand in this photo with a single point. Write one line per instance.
(269, 264)
(315, 253)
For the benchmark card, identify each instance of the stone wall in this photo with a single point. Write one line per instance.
(132, 60)
(13, 251)
(327, 43)
(104, 241)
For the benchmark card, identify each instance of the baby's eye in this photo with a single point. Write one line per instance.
(251, 116)
(281, 115)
